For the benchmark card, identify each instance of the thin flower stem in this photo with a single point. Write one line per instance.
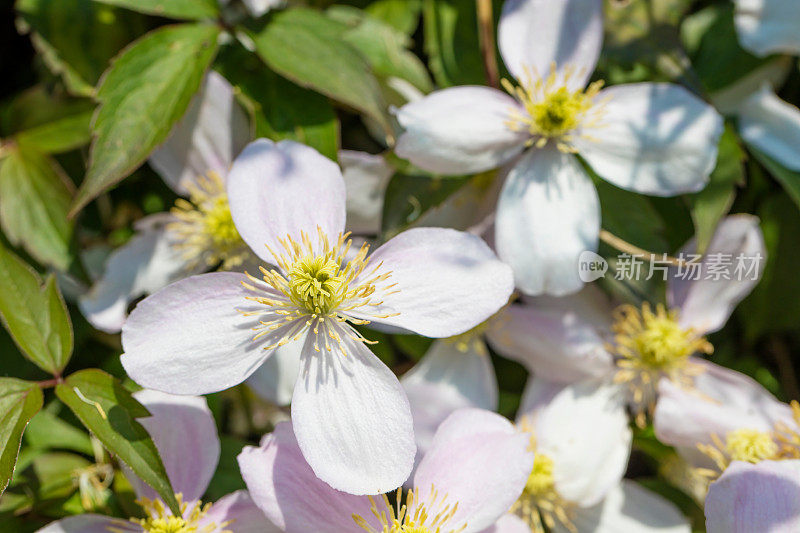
(50, 383)
(486, 35)
(624, 246)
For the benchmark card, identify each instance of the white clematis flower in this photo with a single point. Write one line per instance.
(651, 138)
(768, 26)
(210, 332)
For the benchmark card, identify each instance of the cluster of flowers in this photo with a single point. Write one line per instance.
(289, 313)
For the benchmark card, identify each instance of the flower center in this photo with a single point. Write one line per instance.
(317, 283)
(552, 109)
(751, 446)
(650, 345)
(541, 481)
(412, 516)
(204, 231)
(161, 520)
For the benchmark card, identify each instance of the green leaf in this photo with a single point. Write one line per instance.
(19, 401)
(789, 179)
(281, 109)
(631, 217)
(61, 135)
(712, 203)
(451, 42)
(77, 38)
(109, 411)
(403, 15)
(47, 431)
(308, 48)
(34, 314)
(408, 197)
(179, 9)
(386, 49)
(34, 200)
(142, 95)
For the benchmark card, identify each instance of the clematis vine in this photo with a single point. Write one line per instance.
(582, 335)
(755, 497)
(581, 440)
(184, 431)
(473, 472)
(650, 138)
(210, 332)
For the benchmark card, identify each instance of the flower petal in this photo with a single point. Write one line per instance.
(631, 508)
(584, 430)
(284, 188)
(143, 265)
(772, 126)
(89, 523)
(184, 431)
(760, 497)
(533, 34)
(274, 380)
(191, 338)
(558, 345)
(547, 215)
(447, 281)
(706, 303)
(478, 460)
(240, 513)
(509, 523)
(654, 138)
(213, 131)
(448, 378)
(722, 401)
(366, 177)
(768, 26)
(352, 418)
(461, 130)
(284, 487)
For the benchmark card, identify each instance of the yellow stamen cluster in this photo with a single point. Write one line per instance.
(161, 520)
(553, 111)
(204, 232)
(319, 289)
(750, 445)
(788, 435)
(649, 345)
(412, 516)
(540, 504)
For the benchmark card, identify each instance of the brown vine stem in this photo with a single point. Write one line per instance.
(624, 246)
(486, 36)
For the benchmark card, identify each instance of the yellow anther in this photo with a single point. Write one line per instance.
(541, 481)
(413, 515)
(161, 520)
(751, 446)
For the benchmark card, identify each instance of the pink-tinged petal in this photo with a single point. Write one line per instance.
(721, 401)
(240, 513)
(366, 177)
(654, 138)
(547, 215)
(538, 394)
(509, 523)
(445, 380)
(213, 131)
(447, 281)
(352, 418)
(557, 345)
(761, 497)
(480, 461)
(191, 338)
(461, 130)
(284, 188)
(89, 523)
(274, 380)
(184, 431)
(535, 33)
(584, 430)
(283, 486)
(768, 26)
(706, 303)
(771, 125)
(143, 265)
(629, 508)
